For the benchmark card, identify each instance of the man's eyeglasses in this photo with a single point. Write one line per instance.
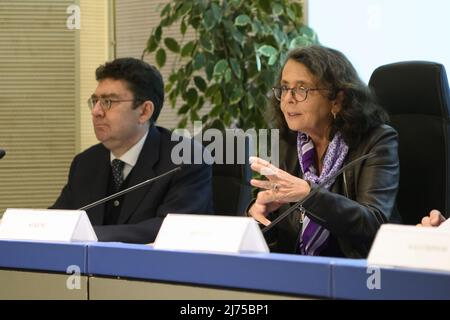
(299, 93)
(105, 103)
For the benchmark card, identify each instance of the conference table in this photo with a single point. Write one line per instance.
(108, 270)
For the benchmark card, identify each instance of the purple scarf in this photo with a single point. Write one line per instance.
(314, 238)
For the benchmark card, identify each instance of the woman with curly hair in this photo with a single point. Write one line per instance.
(327, 117)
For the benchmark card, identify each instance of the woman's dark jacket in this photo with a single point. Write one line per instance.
(359, 201)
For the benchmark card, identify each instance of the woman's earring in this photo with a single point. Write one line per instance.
(334, 115)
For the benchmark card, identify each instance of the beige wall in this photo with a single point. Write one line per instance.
(46, 75)
(95, 47)
(37, 101)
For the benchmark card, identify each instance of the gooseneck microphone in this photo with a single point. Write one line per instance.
(299, 204)
(2, 153)
(125, 191)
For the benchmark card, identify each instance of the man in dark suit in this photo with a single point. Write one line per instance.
(125, 105)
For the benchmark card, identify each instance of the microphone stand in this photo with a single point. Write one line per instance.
(137, 186)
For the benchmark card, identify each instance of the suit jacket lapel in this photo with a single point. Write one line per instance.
(99, 185)
(142, 171)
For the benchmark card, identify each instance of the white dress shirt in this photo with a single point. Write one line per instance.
(130, 157)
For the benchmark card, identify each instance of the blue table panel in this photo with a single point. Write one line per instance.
(351, 279)
(289, 274)
(48, 256)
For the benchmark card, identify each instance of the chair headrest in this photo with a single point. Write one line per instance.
(412, 87)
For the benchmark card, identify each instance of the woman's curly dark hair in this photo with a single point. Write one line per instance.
(359, 114)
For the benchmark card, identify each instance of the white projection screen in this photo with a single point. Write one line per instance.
(376, 32)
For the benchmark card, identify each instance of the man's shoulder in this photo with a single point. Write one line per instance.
(92, 151)
(175, 144)
(171, 138)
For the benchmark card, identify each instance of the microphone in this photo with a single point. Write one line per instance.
(299, 204)
(2, 153)
(137, 186)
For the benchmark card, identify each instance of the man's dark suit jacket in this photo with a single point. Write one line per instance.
(143, 210)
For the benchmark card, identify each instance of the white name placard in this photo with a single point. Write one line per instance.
(445, 225)
(46, 225)
(210, 234)
(411, 247)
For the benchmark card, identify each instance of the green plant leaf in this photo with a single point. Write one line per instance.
(191, 97)
(272, 60)
(236, 96)
(183, 122)
(267, 50)
(209, 19)
(168, 87)
(249, 101)
(217, 99)
(200, 103)
(236, 68)
(184, 108)
(183, 27)
(299, 42)
(188, 69)
(227, 75)
(291, 14)
(209, 69)
(172, 44)
(166, 10)
(166, 22)
(161, 57)
(194, 115)
(158, 34)
(215, 111)
(217, 12)
(210, 91)
(227, 119)
(200, 83)
(257, 27)
(195, 22)
(206, 43)
(185, 7)
(220, 67)
(277, 9)
(218, 124)
(173, 77)
(152, 44)
(258, 63)
(309, 33)
(239, 37)
(187, 49)
(265, 5)
(199, 61)
(242, 20)
(297, 8)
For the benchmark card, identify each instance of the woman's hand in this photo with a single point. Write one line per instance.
(433, 220)
(280, 188)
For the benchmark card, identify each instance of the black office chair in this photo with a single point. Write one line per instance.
(232, 191)
(416, 96)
